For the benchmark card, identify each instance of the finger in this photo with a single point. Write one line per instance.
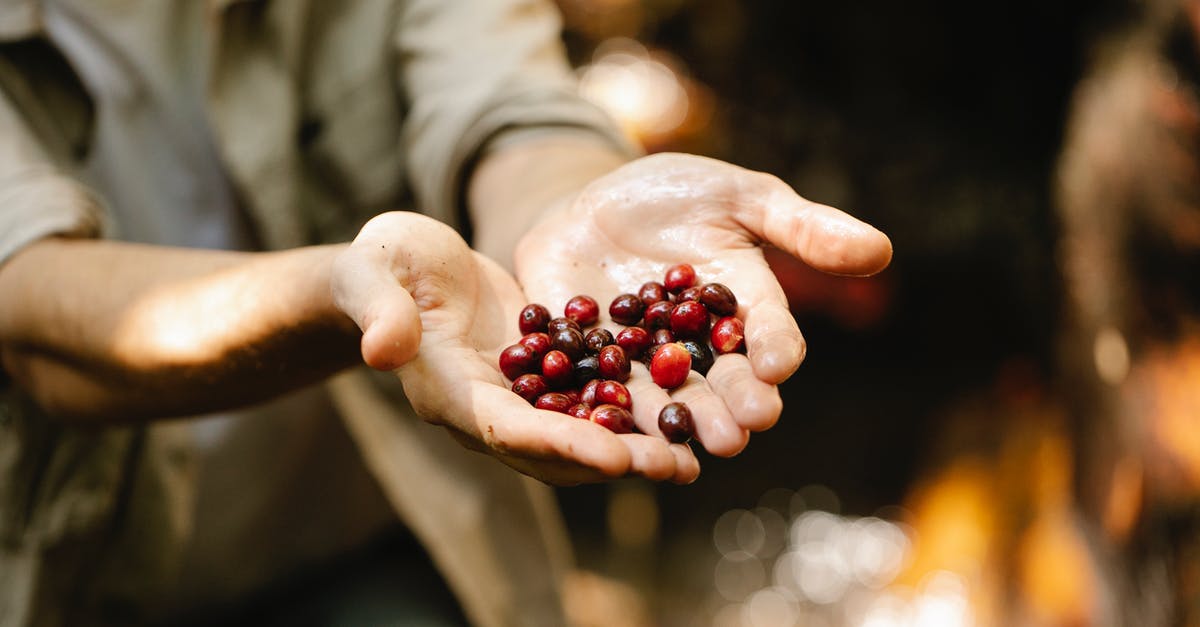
(754, 404)
(649, 399)
(650, 456)
(774, 343)
(823, 237)
(687, 467)
(715, 428)
(365, 288)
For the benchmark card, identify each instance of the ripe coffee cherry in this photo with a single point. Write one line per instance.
(691, 293)
(675, 422)
(530, 387)
(728, 335)
(613, 393)
(583, 310)
(689, 319)
(569, 341)
(652, 292)
(538, 342)
(634, 341)
(597, 339)
(658, 315)
(719, 299)
(702, 358)
(533, 318)
(670, 366)
(517, 360)
(557, 370)
(558, 324)
(614, 364)
(627, 309)
(587, 395)
(553, 401)
(616, 419)
(679, 278)
(573, 395)
(587, 369)
(579, 410)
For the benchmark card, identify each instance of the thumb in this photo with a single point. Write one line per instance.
(825, 238)
(366, 289)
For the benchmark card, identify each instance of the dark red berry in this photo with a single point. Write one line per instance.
(597, 339)
(569, 341)
(579, 410)
(658, 315)
(614, 364)
(538, 342)
(652, 292)
(587, 369)
(517, 360)
(670, 366)
(557, 368)
(533, 318)
(613, 393)
(675, 422)
(616, 419)
(702, 358)
(553, 401)
(662, 336)
(627, 309)
(558, 324)
(530, 386)
(634, 340)
(728, 335)
(587, 395)
(689, 319)
(691, 293)
(679, 278)
(583, 310)
(573, 395)
(719, 299)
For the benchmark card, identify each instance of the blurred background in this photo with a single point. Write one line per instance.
(1004, 427)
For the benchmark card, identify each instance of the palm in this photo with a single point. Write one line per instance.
(631, 225)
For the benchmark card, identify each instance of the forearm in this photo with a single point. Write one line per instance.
(99, 330)
(514, 186)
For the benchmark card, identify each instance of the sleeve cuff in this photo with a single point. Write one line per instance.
(41, 202)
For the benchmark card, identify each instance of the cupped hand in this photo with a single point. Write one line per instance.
(439, 314)
(629, 226)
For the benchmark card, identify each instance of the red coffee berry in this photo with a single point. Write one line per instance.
(662, 336)
(719, 299)
(634, 341)
(689, 319)
(538, 342)
(658, 315)
(616, 419)
(558, 369)
(728, 335)
(679, 278)
(675, 423)
(670, 366)
(627, 309)
(587, 369)
(613, 393)
(652, 292)
(583, 310)
(579, 410)
(587, 395)
(691, 293)
(558, 324)
(530, 386)
(573, 395)
(553, 401)
(569, 341)
(533, 318)
(614, 364)
(597, 339)
(517, 360)
(702, 358)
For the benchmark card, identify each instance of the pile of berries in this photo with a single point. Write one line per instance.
(558, 366)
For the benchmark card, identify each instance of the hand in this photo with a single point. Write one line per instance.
(629, 226)
(440, 313)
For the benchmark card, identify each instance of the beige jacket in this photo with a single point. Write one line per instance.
(326, 113)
